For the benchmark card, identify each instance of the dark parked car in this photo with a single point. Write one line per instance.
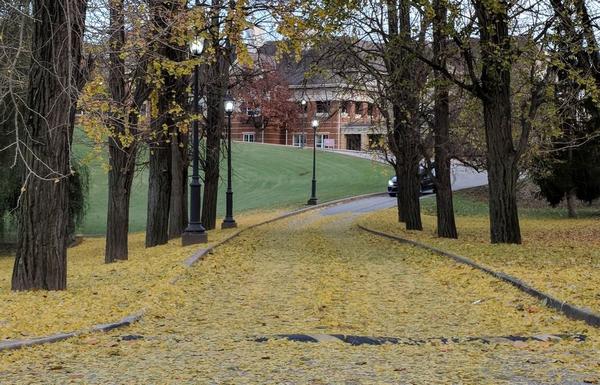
(425, 175)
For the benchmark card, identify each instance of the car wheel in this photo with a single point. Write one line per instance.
(392, 195)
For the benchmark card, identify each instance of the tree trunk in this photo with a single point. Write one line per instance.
(398, 201)
(120, 179)
(54, 78)
(502, 171)
(409, 192)
(211, 169)
(171, 93)
(121, 155)
(216, 82)
(404, 87)
(159, 192)
(495, 92)
(406, 150)
(446, 224)
(178, 217)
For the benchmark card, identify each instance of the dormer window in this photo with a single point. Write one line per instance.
(358, 108)
(323, 107)
(345, 107)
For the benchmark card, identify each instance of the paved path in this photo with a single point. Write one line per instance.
(462, 177)
(317, 274)
(361, 206)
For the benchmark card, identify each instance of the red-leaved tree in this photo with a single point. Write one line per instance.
(269, 102)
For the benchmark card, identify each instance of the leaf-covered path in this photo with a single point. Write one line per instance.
(317, 274)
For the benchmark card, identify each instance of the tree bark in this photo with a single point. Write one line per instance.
(403, 91)
(178, 217)
(165, 127)
(121, 155)
(399, 201)
(120, 179)
(214, 132)
(446, 224)
(502, 170)
(502, 158)
(54, 80)
(159, 191)
(216, 83)
(409, 192)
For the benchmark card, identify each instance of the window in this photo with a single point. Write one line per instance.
(249, 137)
(345, 108)
(375, 141)
(322, 107)
(353, 142)
(358, 108)
(253, 111)
(299, 140)
(370, 109)
(321, 140)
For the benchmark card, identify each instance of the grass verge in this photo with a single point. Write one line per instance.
(264, 177)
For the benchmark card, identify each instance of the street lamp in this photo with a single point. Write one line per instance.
(304, 104)
(195, 232)
(228, 222)
(313, 197)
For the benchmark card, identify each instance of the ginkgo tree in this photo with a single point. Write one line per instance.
(268, 101)
(497, 56)
(57, 72)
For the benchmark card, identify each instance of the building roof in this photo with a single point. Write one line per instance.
(298, 73)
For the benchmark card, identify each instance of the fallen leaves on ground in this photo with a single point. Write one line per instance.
(311, 274)
(98, 292)
(558, 256)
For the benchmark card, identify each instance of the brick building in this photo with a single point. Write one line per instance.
(347, 119)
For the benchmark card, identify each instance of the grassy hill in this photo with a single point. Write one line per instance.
(264, 177)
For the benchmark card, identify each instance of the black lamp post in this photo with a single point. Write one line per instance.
(195, 232)
(304, 104)
(313, 197)
(228, 222)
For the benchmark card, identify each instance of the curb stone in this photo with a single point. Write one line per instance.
(126, 321)
(201, 253)
(189, 262)
(17, 344)
(571, 311)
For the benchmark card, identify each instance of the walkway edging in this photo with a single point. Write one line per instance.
(189, 262)
(17, 344)
(567, 309)
(200, 254)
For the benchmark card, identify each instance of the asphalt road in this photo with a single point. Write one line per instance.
(462, 177)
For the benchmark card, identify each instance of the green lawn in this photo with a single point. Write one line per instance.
(264, 177)
(473, 203)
